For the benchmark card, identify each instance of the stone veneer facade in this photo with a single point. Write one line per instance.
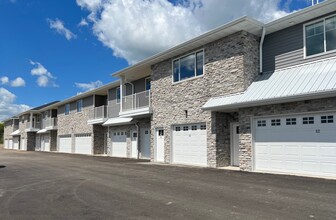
(246, 114)
(230, 65)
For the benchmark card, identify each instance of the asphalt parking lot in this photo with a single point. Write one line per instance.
(37, 185)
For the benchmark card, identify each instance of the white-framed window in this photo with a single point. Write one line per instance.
(148, 83)
(276, 122)
(261, 123)
(203, 127)
(307, 120)
(194, 127)
(185, 128)
(67, 109)
(79, 105)
(320, 36)
(327, 119)
(118, 95)
(188, 66)
(290, 121)
(177, 129)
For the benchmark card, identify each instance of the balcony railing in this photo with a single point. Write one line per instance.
(98, 112)
(136, 101)
(49, 123)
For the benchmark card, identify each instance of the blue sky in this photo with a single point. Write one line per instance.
(53, 49)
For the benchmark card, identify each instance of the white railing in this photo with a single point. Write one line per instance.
(113, 110)
(136, 101)
(49, 122)
(98, 112)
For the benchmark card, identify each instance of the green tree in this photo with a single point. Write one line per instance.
(1, 132)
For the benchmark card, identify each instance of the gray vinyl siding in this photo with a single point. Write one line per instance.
(112, 95)
(285, 48)
(140, 85)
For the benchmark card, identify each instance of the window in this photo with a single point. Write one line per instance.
(275, 122)
(67, 109)
(118, 95)
(177, 129)
(203, 127)
(161, 132)
(307, 120)
(146, 132)
(194, 127)
(148, 84)
(79, 105)
(320, 36)
(135, 134)
(188, 66)
(261, 123)
(290, 121)
(327, 119)
(38, 118)
(185, 128)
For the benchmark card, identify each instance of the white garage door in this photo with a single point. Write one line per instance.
(119, 144)
(83, 144)
(6, 143)
(16, 143)
(298, 144)
(190, 144)
(65, 144)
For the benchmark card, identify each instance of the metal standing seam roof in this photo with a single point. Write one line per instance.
(310, 80)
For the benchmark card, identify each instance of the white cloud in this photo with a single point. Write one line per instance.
(18, 82)
(44, 77)
(83, 22)
(7, 106)
(4, 80)
(136, 29)
(58, 25)
(88, 86)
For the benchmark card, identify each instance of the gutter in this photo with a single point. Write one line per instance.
(261, 48)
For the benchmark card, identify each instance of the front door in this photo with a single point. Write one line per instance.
(159, 145)
(235, 144)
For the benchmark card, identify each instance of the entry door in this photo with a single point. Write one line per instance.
(134, 152)
(235, 144)
(159, 145)
(145, 143)
(23, 144)
(42, 143)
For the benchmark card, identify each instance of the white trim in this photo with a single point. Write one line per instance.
(324, 36)
(195, 72)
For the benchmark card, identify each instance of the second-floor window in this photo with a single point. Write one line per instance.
(148, 84)
(67, 109)
(320, 36)
(118, 95)
(188, 66)
(79, 105)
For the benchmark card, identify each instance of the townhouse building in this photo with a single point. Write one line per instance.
(33, 130)
(259, 97)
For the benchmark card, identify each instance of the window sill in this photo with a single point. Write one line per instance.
(186, 80)
(319, 54)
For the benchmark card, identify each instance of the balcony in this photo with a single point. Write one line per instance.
(137, 104)
(97, 115)
(49, 124)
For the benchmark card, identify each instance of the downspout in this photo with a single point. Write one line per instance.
(261, 49)
(138, 139)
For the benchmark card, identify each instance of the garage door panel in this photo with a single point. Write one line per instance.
(83, 144)
(119, 144)
(299, 148)
(189, 146)
(65, 145)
